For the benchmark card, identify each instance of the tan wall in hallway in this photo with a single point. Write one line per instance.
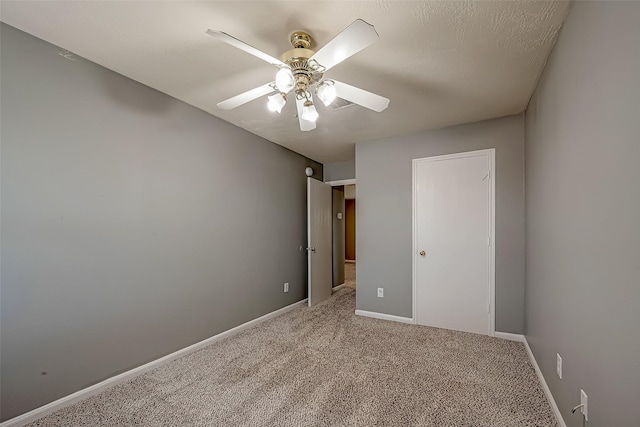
(350, 229)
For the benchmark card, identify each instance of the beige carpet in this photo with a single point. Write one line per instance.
(350, 275)
(325, 366)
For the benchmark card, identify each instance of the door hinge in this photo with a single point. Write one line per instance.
(489, 308)
(488, 241)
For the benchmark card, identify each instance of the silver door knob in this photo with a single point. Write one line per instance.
(423, 253)
(311, 248)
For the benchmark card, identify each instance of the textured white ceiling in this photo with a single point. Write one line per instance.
(439, 62)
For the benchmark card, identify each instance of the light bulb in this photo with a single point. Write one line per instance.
(309, 112)
(276, 102)
(285, 80)
(326, 92)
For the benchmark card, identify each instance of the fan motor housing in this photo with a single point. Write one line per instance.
(296, 54)
(298, 60)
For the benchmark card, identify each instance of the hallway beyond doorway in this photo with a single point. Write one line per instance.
(350, 274)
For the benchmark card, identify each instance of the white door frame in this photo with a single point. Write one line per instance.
(341, 182)
(492, 237)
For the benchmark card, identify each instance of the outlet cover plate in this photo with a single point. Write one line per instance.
(380, 292)
(286, 287)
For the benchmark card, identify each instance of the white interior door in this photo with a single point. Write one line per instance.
(453, 216)
(319, 244)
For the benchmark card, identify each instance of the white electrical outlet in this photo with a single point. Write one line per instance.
(286, 287)
(559, 365)
(380, 292)
(584, 403)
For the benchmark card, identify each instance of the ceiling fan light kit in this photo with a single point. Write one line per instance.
(285, 80)
(301, 70)
(326, 91)
(309, 112)
(276, 102)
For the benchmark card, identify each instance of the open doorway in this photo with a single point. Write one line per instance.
(343, 254)
(350, 235)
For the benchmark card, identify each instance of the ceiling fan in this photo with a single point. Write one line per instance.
(301, 70)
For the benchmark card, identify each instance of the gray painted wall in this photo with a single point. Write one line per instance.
(133, 225)
(583, 214)
(384, 214)
(339, 171)
(338, 235)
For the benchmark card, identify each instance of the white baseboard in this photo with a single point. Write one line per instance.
(509, 336)
(49, 408)
(545, 387)
(335, 288)
(384, 316)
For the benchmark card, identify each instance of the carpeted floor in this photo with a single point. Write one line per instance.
(324, 366)
(350, 275)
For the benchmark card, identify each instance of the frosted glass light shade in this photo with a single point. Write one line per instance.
(276, 102)
(285, 80)
(327, 93)
(309, 112)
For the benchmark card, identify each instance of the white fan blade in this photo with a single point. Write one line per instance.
(350, 41)
(305, 125)
(361, 97)
(247, 96)
(247, 48)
